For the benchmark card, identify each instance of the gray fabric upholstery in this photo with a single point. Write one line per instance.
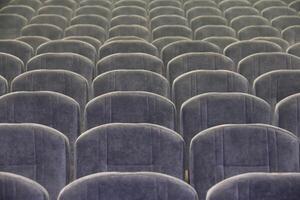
(56, 10)
(221, 42)
(262, 4)
(243, 21)
(130, 61)
(295, 5)
(126, 186)
(286, 114)
(91, 19)
(294, 49)
(261, 186)
(200, 21)
(63, 61)
(131, 80)
(233, 3)
(197, 61)
(273, 12)
(130, 148)
(122, 38)
(165, 10)
(69, 46)
(257, 64)
(212, 109)
(292, 34)
(229, 150)
(11, 25)
(130, 46)
(167, 20)
(239, 50)
(213, 31)
(129, 20)
(198, 82)
(35, 4)
(130, 30)
(163, 3)
(237, 11)
(103, 3)
(33, 41)
(180, 47)
(15, 187)
(68, 3)
(130, 107)
(251, 32)
(61, 81)
(10, 66)
(94, 10)
(160, 43)
(203, 11)
(172, 31)
(49, 31)
(87, 30)
(138, 3)
(24, 11)
(277, 40)
(90, 40)
(198, 3)
(129, 10)
(39, 153)
(53, 19)
(16, 48)
(277, 85)
(283, 22)
(3, 86)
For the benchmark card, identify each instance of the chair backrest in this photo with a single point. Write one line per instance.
(273, 12)
(96, 10)
(282, 22)
(277, 40)
(221, 41)
(10, 67)
(22, 10)
(90, 30)
(251, 32)
(291, 34)
(33, 41)
(49, 31)
(57, 10)
(17, 48)
(130, 30)
(53, 19)
(172, 31)
(214, 31)
(129, 20)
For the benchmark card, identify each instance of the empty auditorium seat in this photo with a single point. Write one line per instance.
(129, 186)
(137, 61)
(93, 10)
(129, 10)
(68, 3)
(231, 150)
(292, 34)
(129, 148)
(295, 5)
(243, 21)
(11, 25)
(130, 30)
(122, 38)
(3, 86)
(130, 107)
(35, 4)
(17, 48)
(198, 61)
(17, 187)
(129, 20)
(167, 20)
(251, 32)
(239, 50)
(282, 22)
(214, 31)
(49, 31)
(200, 21)
(69, 46)
(198, 82)
(172, 31)
(221, 42)
(294, 49)
(63, 61)
(273, 12)
(277, 40)
(237, 11)
(33, 41)
(224, 5)
(131, 80)
(39, 153)
(160, 43)
(198, 3)
(257, 64)
(129, 46)
(163, 3)
(103, 3)
(138, 3)
(202, 11)
(53, 19)
(10, 67)
(87, 30)
(165, 10)
(90, 40)
(91, 19)
(24, 11)
(56, 10)
(262, 4)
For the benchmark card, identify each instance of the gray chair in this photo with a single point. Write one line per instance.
(273, 12)
(25, 189)
(130, 107)
(3, 86)
(166, 10)
(172, 31)
(203, 11)
(292, 34)
(62, 81)
(129, 20)
(262, 185)
(197, 82)
(277, 40)
(116, 186)
(262, 4)
(283, 22)
(187, 5)
(69, 46)
(63, 61)
(251, 32)
(221, 42)
(294, 50)
(257, 64)
(103, 3)
(277, 85)
(252, 20)
(200, 21)
(90, 40)
(39, 153)
(130, 148)
(53, 19)
(122, 38)
(129, 10)
(33, 41)
(129, 61)
(68, 3)
(239, 50)
(163, 3)
(49, 31)
(168, 20)
(224, 5)
(295, 5)
(160, 43)
(24, 11)
(87, 30)
(130, 30)
(11, 25)
(35, 4)
(230, 150)
(131, 80)
(214, 31)
(92, 19)
(56, 10)
(94, 10)
(17, 48)
(138, 3)
(130, 46)
(237, 11)
(10, 67)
